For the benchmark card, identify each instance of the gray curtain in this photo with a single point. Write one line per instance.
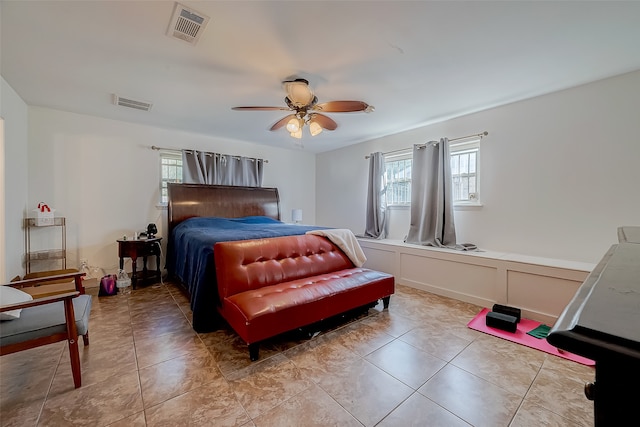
(221, 169)
(376, 200)
(431, 196)
(198, 167)
(241, 171)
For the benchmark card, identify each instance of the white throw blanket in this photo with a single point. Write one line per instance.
(345, 240)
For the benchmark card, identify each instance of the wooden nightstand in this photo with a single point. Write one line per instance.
(140, 248)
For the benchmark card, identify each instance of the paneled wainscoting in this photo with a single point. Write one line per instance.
(541, 287)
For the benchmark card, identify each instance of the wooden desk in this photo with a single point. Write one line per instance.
(602, 322)
(140, 248)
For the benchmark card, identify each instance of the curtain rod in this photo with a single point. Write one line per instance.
(153, 147)
(478, 135)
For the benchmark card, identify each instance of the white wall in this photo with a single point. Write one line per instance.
(104, 178)
(559, 173)
(3, 261)
(581, 142)
(14, 112)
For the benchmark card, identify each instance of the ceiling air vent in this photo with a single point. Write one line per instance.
(131, 103)
(187, 24)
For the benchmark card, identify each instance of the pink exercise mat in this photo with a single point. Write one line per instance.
(520, 336)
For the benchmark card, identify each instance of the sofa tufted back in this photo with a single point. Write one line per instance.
(252, 264)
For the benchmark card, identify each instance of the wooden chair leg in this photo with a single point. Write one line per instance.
(75, 362)
(72, 338)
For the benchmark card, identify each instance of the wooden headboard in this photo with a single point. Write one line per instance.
(200, 200)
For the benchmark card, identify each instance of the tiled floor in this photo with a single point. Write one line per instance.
(415, 364)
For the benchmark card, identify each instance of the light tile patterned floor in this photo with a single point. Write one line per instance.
(415, 364)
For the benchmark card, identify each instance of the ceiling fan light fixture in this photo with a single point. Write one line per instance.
(299, 93)
(314, 128)
(304, 110)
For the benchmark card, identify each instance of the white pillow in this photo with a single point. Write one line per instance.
(9, 295)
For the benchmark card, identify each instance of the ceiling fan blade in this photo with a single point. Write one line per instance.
(282, 122)
(341, 106)
(325, 122)
(260, 108)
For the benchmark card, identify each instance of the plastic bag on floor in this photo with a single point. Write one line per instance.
(108, 285)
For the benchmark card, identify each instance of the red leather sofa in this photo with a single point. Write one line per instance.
(270, 286)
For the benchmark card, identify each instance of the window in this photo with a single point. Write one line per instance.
(170, 171)
(464, 172)
(397, 177)
(465, 160)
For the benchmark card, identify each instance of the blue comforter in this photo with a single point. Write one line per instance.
(190, 256)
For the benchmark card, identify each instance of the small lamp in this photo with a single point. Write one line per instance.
(296, 215)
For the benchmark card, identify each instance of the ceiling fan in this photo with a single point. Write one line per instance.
(306, 110)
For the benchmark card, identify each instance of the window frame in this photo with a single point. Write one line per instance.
(460, 147)
(455, 147)
(175, 155)
(396, 157)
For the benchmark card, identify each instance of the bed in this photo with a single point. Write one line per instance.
(201, 215)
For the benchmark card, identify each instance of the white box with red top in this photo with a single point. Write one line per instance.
(44, 215)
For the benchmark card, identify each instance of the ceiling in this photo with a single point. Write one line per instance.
(417, 62)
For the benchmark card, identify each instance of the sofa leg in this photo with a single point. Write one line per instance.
(254, 351)
(385, 302)
(85, 338)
